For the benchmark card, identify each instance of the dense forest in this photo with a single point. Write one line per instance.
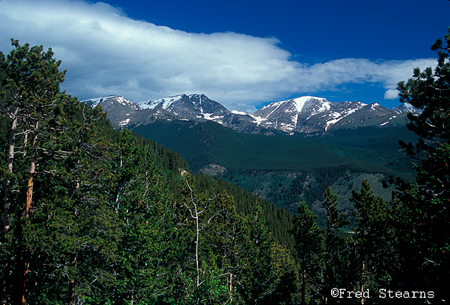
(93, 215)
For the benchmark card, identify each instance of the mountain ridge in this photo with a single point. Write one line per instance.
(302, 115)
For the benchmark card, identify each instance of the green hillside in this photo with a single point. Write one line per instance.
(210, 143)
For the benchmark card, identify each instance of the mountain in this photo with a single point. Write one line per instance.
(304, 115)
(123, 113)
(190, 107)
(194, 107)
(199, 108)
(311, 114)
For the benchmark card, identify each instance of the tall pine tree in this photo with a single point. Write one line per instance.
(334, 244)
(427, 202)
(309, 246)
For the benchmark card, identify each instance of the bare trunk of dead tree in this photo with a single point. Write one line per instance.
(30, 185)
(31, 174)
(230, 287)
(9, 169)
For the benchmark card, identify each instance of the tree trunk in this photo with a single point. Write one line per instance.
(9, 169)
(72, 284)
(230, 287)
(26, 254)
(196, 252)
(26, 270)
(195, 215)
(31, 173)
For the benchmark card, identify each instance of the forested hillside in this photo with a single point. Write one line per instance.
(91, 215)
(95, 215)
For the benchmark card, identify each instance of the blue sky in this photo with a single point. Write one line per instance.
(243, 54)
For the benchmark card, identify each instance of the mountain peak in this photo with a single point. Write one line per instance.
(301, 101)
(405, 108)
(309, 114)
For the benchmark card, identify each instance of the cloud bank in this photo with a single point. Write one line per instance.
(106, 52)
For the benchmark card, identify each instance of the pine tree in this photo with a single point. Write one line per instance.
(225, 244)
(30, 93)
(142, 203)
(309, 246)
(334, 245)
(74, 230)
(426, 203)
(373, 240)
(258, 277)
(60, 230)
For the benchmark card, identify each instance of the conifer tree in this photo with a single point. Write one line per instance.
(60, 230)
(74, 230)
(333, 263)
(258, 278)
(225, 244)
(30, 92)
(427, 202)
(309, 246)
(197, 213)
(142, 203)
(373, 240)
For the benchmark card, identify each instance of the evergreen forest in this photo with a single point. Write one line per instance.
(94, 215)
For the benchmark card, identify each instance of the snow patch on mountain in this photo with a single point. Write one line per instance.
(164, 103)
(239, 112)
(387, 122)
(339, 116)
(124, 122)
(94, 102)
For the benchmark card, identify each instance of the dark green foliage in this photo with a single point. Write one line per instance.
(334, 246)
(425, 204)
(278, 221)
(373, 240)
(309, 246)
(203, 143)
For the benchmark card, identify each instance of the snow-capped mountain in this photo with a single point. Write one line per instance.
(120, 110)
(193, 107)
(198, 107)
(190, 107)
(306, 115)
(310, 114)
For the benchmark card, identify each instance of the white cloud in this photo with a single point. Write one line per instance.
(391, 94)
(105, 52)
